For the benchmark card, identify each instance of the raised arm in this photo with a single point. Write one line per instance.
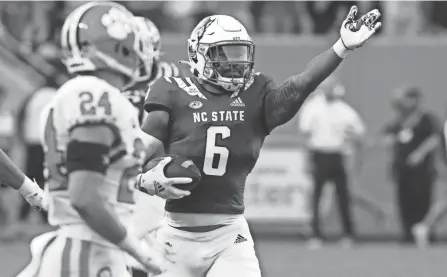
(283, 102)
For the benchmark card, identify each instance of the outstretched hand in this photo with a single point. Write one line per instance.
(355, 31)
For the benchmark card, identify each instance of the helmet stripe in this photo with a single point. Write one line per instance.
(73, 34)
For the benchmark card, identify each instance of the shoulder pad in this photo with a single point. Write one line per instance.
(186, 85)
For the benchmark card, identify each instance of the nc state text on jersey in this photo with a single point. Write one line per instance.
(218, 116)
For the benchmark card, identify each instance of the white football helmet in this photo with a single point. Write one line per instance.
(151, 37)
(102, 35)
(221, 52)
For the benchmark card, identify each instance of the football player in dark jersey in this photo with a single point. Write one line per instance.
(12, 176)
(219, 119)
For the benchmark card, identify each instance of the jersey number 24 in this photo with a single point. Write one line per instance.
(56, 171)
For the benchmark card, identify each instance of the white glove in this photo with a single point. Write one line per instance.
(355, 32)
(154, 182)
(37, 201)
(34, 195)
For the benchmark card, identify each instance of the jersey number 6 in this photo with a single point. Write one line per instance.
(212, 150)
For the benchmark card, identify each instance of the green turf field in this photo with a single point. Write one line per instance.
(288, 258)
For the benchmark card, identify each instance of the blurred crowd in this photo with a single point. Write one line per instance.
(36, 21)
(30, 30)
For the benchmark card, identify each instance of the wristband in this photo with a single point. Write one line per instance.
(29, 187)
(340, 49)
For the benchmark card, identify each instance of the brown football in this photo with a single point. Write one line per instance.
(179, 167)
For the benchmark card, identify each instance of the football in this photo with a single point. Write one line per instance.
(179, 167)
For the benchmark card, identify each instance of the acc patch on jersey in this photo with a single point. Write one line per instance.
(104, 272)
(195, 105)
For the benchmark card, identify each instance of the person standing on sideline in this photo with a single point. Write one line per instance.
(415, 137)
(438, 211)
(333, 130)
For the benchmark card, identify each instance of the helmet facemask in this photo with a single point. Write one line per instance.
(145, 51)
(148, 39)
(228, 64)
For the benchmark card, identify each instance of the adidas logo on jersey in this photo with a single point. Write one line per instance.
(237, 103)
(240, 239)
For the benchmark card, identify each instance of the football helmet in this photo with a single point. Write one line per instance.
(221, 52)
(151, 49)
(102, 35)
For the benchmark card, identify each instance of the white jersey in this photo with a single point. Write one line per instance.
(87, 100)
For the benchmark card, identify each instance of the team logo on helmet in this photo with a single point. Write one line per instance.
(117, 24)
(202, 30)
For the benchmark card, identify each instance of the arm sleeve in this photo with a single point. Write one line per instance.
(158, 96)
(281, 103)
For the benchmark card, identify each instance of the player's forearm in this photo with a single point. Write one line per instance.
(13, 177)
(87, 201)
(429, 145)
(154, 147)
(10, 174)
(151, 154)
(283, 103)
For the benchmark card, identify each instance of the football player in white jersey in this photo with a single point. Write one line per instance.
(94, 148)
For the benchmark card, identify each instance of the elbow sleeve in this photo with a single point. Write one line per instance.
(87, 156)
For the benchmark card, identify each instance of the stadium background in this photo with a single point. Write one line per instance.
(276, 192)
